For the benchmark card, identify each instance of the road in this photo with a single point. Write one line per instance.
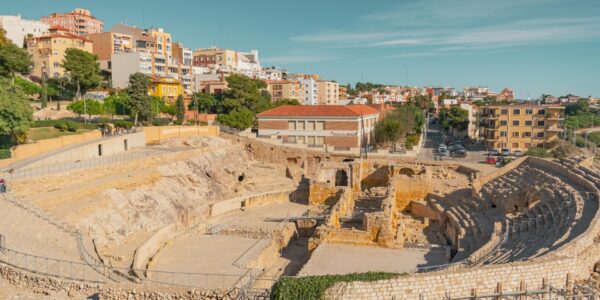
(433, 140)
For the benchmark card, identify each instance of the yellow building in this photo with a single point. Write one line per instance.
(224, 59)
(328, 92)
(162, 58)
(520, 127)
(48, 52)
(167, 89)
(285, 89)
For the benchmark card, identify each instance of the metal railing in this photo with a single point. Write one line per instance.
(87, 163)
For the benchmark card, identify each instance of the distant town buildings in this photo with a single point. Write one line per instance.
(18, 29)
(285, 89)
(48, 51)
(79, 21)
(327, 92)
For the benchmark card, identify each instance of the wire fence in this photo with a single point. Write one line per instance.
(87, 163)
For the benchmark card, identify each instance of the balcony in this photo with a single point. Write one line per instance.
(554, 129)
(555, 117)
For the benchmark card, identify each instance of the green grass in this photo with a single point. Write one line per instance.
(42, 133)
(313, 287)
(4, 153)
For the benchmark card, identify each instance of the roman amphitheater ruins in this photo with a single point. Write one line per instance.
(224, 217)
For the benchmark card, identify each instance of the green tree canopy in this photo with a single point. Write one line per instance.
(13, 60)
(240, 119)
(180, 109)
(82, 69)
(580, 107)
(28, 87)
(285, 102)
(140, 103)
(454, 117)
(86, 106)
(203, 103)
(15, 113)
(116, 105)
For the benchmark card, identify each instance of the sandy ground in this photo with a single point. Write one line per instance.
(344, 259)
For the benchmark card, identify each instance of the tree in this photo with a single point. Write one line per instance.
(82, 69)
(455, 117)
(13, 60)
(3, 39)
(28, 87)
(86, 106)
(244, 91)
(241, 118)
(116, 105)
(171, 111)
(203, 103)
(580, 107)
(285, 102)
(180, 108)
(15, 112)
(139, 100)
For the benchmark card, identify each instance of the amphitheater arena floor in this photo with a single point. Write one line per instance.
(344, 259)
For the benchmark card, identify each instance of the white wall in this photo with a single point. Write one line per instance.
(17, 29)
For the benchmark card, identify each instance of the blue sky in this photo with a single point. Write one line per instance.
(532, 46)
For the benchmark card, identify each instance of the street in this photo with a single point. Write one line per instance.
(434, 138)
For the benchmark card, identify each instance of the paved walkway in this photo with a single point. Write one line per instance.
(345, 259)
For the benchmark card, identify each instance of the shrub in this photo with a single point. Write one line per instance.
(62, 126)
(161, 122)
(313, 287)
(538, 152)
(411, 140)
(123, 124)
(73, 127)
(4, 153)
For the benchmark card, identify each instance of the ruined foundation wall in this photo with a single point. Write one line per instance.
(408, 189)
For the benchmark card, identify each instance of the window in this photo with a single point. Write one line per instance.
(292, 125)
(310, 125)
(541, 123)
(541, 112)
(320, 125)
(320, 140)
(515, 134)
(527, 145)
(540, 134)
(503, 123)
(300, 125)
(527, 134)
(515, 123)
(310, 140)
(56, 64)
(515, 145)
(516, 111)
(300, 140)
(504, 111)
(529, 111)
(528, 123)
(503, 133)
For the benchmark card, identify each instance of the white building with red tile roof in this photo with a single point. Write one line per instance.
(335, 127)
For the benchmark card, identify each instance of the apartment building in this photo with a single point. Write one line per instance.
(285, 89)
(476, 92)
(273, 73)
(17, 29)
(153, 56)
(108, 43)
(48, 51)
(335, 127)
(520, 127)
(183, 57)
(506, 95)
(309, 86)
(225, 60)
(79, 21)
(343, 92)
(328, 92)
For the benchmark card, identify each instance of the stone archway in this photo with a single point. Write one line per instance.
(341, 178)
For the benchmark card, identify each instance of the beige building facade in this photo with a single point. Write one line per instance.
(48, 52)
(328, 92)
(520, 127)
(285, 89)
(79, 21)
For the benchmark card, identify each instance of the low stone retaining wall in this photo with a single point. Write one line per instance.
(150, 247)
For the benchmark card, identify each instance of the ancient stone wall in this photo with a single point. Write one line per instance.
(410, 188)
(479, 182)
(461, 283)
(322, 193)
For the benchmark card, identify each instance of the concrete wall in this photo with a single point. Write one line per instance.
(155, 134)
(110, 146)
(42, 146)
(150, 247)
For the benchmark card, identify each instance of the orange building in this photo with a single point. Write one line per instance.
(79, 21)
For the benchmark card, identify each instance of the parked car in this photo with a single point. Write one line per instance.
(517, 153)
(443, 152)
(505, 152)
(460, 153)
(490, 160)
(494, 152)
(442, 145)
(455, 147)
(455, 143)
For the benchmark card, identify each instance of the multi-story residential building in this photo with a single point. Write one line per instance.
(506, 95)
(328, 92)
(285, 89)
(472, 127)
(273, 73)
(225, 60)
(248, 64)
(335, 127)
(108, 43)
(48, 51)
(125, 64)
(18, 29)
(79, 21)
(343, 92)
(183, 57)
(476, 92)
(168, 89)
(521, 126)
(309, 86)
